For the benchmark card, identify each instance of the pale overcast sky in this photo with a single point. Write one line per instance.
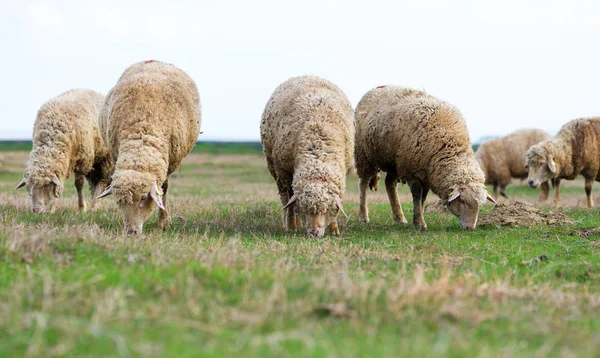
(504, 64)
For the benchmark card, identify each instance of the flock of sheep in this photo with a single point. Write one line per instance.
(130, 142)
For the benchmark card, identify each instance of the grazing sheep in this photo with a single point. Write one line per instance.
(422, 141)
(308, 139)
(574, 150)
(150, 122)
(66, 140)
(502, 159)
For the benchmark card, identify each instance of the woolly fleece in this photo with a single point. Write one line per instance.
(575, 150)
(66, 140)
(418, 139)
(307, 134)
(150, 122)
(504, 158)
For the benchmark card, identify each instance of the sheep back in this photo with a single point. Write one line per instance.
(308, 117)
(415, 135)
(504, 158)
(575, 149)
(66, 138)
(151, 120)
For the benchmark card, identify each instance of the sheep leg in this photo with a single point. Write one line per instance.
(503, 190)
(333, 228)
(374, 182)
(363, 215)
(95, 190)
(391, 183)
(423, 198)
(556, 193)
(293, 221)
(588, 191)
(93, 187)
(163, 215)
(290, 221)
(417, 193)
(79, 179)
(545, 189)
(496, 190)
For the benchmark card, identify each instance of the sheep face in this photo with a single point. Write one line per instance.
(136, 204)
(43, 194)
(316, 207)
(137, 212)
(541, 168)
(465, 201)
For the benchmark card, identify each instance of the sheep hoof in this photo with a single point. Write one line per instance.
(557, 205)
(422, 227)
(401, 220)
(363, 220)
(162, 223)
(334, 229)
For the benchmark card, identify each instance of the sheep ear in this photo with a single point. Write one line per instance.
(156, 195)
(551, 164)
(107, 192)
(455, 193)
(292, 201)
(490, 198)
(21, 184)
(55, 180)
(340, 206)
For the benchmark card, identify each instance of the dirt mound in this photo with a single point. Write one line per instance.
(436, 207)
(587, 232)
(521, 214)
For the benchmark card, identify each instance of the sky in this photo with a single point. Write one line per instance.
(505, 64)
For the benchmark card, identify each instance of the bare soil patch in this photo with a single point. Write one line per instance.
(520, 214)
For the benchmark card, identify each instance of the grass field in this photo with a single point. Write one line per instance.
(225, 279)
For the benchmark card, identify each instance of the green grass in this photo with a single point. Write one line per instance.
(201, 147)
(225, 279)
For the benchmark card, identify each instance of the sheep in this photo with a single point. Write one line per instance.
(423, 141)
(574, 150)
(66, 140)
(307, 134)
(150, 122)
(502, 159)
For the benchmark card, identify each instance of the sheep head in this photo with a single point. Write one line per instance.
(541, 165)
(317, 206)
(137, 200)
(43, 192)
(465, 201)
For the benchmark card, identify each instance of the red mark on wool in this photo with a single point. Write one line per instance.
(149, 61)
(382, 86)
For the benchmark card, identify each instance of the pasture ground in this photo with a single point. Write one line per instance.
(225, 279)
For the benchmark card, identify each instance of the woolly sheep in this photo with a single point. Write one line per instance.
(307, 134)
(422, 141)
(66, 140)
(502, 158)
(574, 150)
(150, 122)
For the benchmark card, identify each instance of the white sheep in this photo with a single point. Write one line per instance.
(307, 134)
(502, 159)
(150, 122)
(573, 151)
(423, 141)
(66, 140)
